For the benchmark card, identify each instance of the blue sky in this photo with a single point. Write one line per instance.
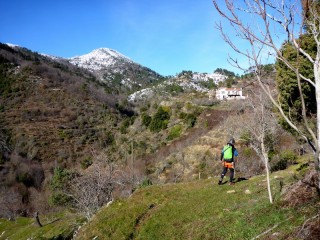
(167, 36)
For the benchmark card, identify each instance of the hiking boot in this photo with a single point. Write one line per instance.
(231, 183)
(220, 182)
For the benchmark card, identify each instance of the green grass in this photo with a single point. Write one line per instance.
(59, 226)
(200, 210)
(194, 210)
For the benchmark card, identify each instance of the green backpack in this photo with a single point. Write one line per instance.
(227, 152)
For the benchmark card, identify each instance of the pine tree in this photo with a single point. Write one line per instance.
(287, 81)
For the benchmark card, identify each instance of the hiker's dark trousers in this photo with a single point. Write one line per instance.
(225, 169)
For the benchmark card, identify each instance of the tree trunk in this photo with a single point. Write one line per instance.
(317, 88)
(266, 163)
(268, 181)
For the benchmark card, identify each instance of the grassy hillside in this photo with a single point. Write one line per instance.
(195, 210)
(204, 210)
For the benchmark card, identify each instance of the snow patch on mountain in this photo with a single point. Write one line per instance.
(12, 45)
(145, 93)
(188, 81)
(193, 86)
(52, 57)
(99, 59)
(204, 77)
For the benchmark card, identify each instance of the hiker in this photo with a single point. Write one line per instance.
(227, 158)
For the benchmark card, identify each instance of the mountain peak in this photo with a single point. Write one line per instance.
(99, 59)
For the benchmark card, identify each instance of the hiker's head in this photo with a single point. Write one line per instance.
(232, 141)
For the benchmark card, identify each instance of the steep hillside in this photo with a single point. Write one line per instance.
(52, 115)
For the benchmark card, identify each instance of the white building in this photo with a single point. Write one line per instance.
(229, 93)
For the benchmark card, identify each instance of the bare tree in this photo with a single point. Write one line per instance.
(94, 188)
(262, 25)
(10, 203)
(260, 130)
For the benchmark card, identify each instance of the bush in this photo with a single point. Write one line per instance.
(64, 134)
(59, 199)
(146, 119)
(59, 182)
(209, 84)
(247, 152)
(59, 178)
(286, 158)
(109, 139)
(175, 132)
(146, 182)
(174, 88)
(160, 120)
(125, 124)
(85, 163)
(190, 120)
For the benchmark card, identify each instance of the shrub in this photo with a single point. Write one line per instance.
(209, 84)
(59, 182)
(85, 163)
(146, 119)
(160, 120)
(288, 155)
(146, 182)
(190, 120)
(247, 152)
(144, 108)
(125, 124)
(286, 158)
(59, 178)
(189, 106)
(182, 115)
(174, 88)
(109, 139)
(5, 81)
(59, 199)
(175, 132)
(63, 134)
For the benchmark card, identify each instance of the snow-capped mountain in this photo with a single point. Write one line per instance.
(116, 70)
(100, 59)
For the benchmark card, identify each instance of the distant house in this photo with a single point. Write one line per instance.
(229, 93)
